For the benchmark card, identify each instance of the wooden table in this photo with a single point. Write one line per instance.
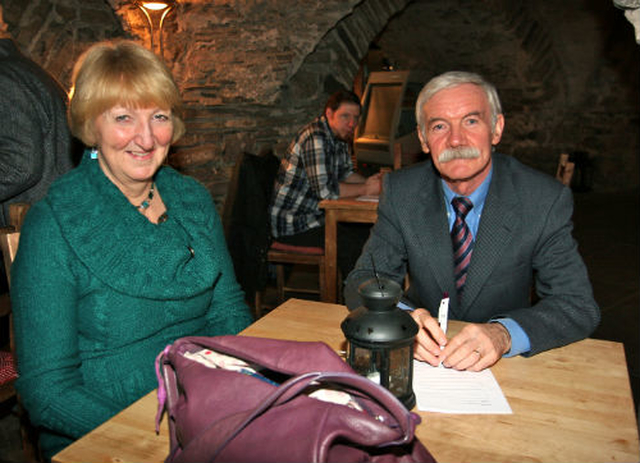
(341, 210)
(571, 404)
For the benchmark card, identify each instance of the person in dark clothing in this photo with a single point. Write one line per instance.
(36, 146)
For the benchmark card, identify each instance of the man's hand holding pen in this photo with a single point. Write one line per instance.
(476, 347)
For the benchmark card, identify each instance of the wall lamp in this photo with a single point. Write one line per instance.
(156, 11)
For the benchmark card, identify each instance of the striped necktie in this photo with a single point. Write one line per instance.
(462, 241)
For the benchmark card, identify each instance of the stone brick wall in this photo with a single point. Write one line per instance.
(567, 73)
(252, 72)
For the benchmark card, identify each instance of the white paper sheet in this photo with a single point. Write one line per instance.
(444, 390)
(369, 198)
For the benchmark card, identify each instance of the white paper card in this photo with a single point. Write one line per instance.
(446, 390)
(369, 198)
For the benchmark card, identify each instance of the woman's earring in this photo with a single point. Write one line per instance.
(94, 153)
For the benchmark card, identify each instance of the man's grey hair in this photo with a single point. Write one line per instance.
(453, 79)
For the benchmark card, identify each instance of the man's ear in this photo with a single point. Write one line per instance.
(496, 135)
(423, 141)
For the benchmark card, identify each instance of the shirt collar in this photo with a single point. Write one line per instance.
(477, 198)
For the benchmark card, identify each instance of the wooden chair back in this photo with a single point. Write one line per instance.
(17, 213)
(9, 246)
(9, 240)
(9, 237)
(407, 153)
(283, 254)
(397, 156)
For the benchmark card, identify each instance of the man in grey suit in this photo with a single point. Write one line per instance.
(519, 222)
(35, 144)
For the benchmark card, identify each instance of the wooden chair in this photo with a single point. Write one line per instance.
(565, 170)
(8, 373)
(9, 239)
(9, 247)
(282, 254)
(246, 221)
(397, 156)
(407, 153)
(17, 213)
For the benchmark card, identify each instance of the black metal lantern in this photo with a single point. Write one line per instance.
(381, 338)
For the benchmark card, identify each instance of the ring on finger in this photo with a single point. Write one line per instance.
(478, 352)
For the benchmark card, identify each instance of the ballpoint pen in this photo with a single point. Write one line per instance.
(443, 313)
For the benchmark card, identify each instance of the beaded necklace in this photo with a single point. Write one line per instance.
(147, 202)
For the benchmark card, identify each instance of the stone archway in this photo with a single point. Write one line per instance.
(337, 58)
(252, 73)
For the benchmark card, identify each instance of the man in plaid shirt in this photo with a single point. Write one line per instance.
(318, 166)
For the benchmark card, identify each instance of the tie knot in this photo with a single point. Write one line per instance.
(461, 205)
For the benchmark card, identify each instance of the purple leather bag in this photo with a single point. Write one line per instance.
(268, 411)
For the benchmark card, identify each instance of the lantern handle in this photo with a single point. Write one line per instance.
(375, 272)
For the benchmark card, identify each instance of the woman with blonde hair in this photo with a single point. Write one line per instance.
(122, 257)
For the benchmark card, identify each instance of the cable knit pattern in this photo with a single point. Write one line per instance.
(163, 267)
(98, 291)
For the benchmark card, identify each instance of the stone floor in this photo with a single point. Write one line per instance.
(606, 228)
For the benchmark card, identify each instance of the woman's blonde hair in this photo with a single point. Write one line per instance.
(120, 73)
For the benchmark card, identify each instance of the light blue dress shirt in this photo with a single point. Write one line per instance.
(519, 340)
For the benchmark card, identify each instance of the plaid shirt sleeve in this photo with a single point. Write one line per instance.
(319, 167)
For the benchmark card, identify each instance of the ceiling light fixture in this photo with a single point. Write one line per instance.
(155, 12)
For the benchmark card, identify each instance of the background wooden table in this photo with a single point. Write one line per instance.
(341, 210)
(571, 404)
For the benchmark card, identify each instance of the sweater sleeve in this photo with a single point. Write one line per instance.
(44, 298)
(228, 313)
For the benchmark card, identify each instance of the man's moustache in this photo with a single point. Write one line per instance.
(461, 152)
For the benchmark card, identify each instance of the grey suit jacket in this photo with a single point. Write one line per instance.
(35, 144)
(524, 236)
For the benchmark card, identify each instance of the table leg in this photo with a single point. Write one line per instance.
(331, 255)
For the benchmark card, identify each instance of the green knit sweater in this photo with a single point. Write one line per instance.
(98, 291)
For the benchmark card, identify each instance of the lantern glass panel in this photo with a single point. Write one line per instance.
(366, 363)
(400, 374)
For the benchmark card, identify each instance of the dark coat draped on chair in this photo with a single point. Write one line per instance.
(247, 219)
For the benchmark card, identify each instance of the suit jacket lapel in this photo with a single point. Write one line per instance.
(499, 219)
(431, 232)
